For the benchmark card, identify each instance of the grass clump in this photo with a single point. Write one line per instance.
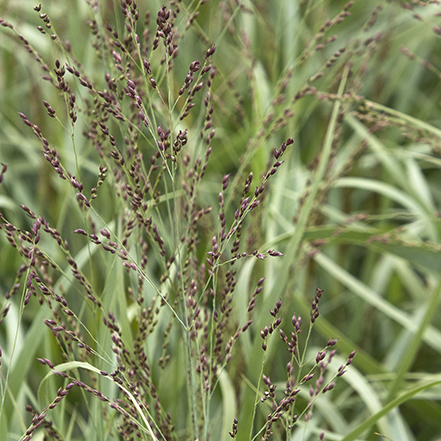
(181, 183)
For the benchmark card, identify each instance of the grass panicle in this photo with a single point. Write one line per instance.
(176, 180)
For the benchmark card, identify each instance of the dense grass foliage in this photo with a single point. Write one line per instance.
(220, 220)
